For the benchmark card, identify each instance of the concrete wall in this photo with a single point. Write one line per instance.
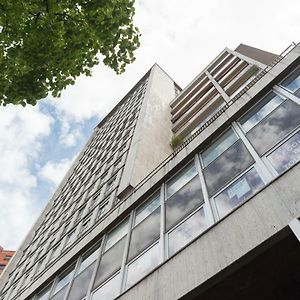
(152, 136)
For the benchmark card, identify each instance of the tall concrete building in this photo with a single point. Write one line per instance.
(215, 216)
(5, 256)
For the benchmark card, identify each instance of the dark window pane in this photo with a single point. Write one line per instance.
(60, 295)
(287, 155)
(147, 208)
(142, 265)
(110, 262)
(117, 233)
(144, 234)
(218, 147)
(187, 231)
(109, 290)
(226, 167)
(260, 111)
(275, 127)
(183, 202)
(292, 83)
(81, 283)
(238, 192)
(181, 179)
(44, 294)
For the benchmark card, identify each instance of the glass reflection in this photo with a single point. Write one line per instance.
(231, 163)
(265, 107)
(60, 295)
(88, 259)
(287, 155)
(183, 202)
(81, 283)
(181, 179)
(109, 290)
(143, 265)
(44, 294)
(110, 262)
(64, 279)
(116, 234)
(187, 231)
(292, 83)
(238, 192)
(144, 234)
(276, 126)
(146, 209)
(218, 147)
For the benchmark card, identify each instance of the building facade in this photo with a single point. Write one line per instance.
(215, 216)
(5, 256)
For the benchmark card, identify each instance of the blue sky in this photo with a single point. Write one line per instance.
(38, 144)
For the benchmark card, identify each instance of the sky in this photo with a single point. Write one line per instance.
(38, 144)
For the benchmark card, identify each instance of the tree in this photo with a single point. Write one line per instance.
(46, 44)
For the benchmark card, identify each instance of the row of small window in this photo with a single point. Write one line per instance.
(119, 116)
(89, 193)
(231, 175)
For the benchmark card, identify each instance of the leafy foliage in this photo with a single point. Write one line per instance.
(176, 141)
(46, 44)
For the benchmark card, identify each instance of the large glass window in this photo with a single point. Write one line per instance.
(187, 231)
(82, 280)
(238, 192)
(110, 290)
(287, 155)
(218, 147)
(142, 265)
(260, 111)
(272, 129)
(110, 262)
(44, 294)
(181, 179)
(183, 202)
(62, 282)
(146, 209)
(116, 234)
(145, 233)
(227, 166)
(292, 83)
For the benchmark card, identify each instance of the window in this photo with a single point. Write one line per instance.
(116, 234)
(146, 209)
(274, 127)
(63, 281)
(181, 179)
(109, 290)
(227, 166)
(142, 265)
(82, 280)
(265, 107)
(286, 155)
(44, 294)
(292, 83)
(186, 231)
(85, 225)
(147, 229)
(2, 267)
(110, 185)
(218, 147)
(102, 210)
(238, 192)
(70, 238)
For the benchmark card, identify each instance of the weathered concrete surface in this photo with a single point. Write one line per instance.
(250, 225)
(152, 136)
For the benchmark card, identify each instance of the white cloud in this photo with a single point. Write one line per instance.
(21, 130)
(55, 171)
